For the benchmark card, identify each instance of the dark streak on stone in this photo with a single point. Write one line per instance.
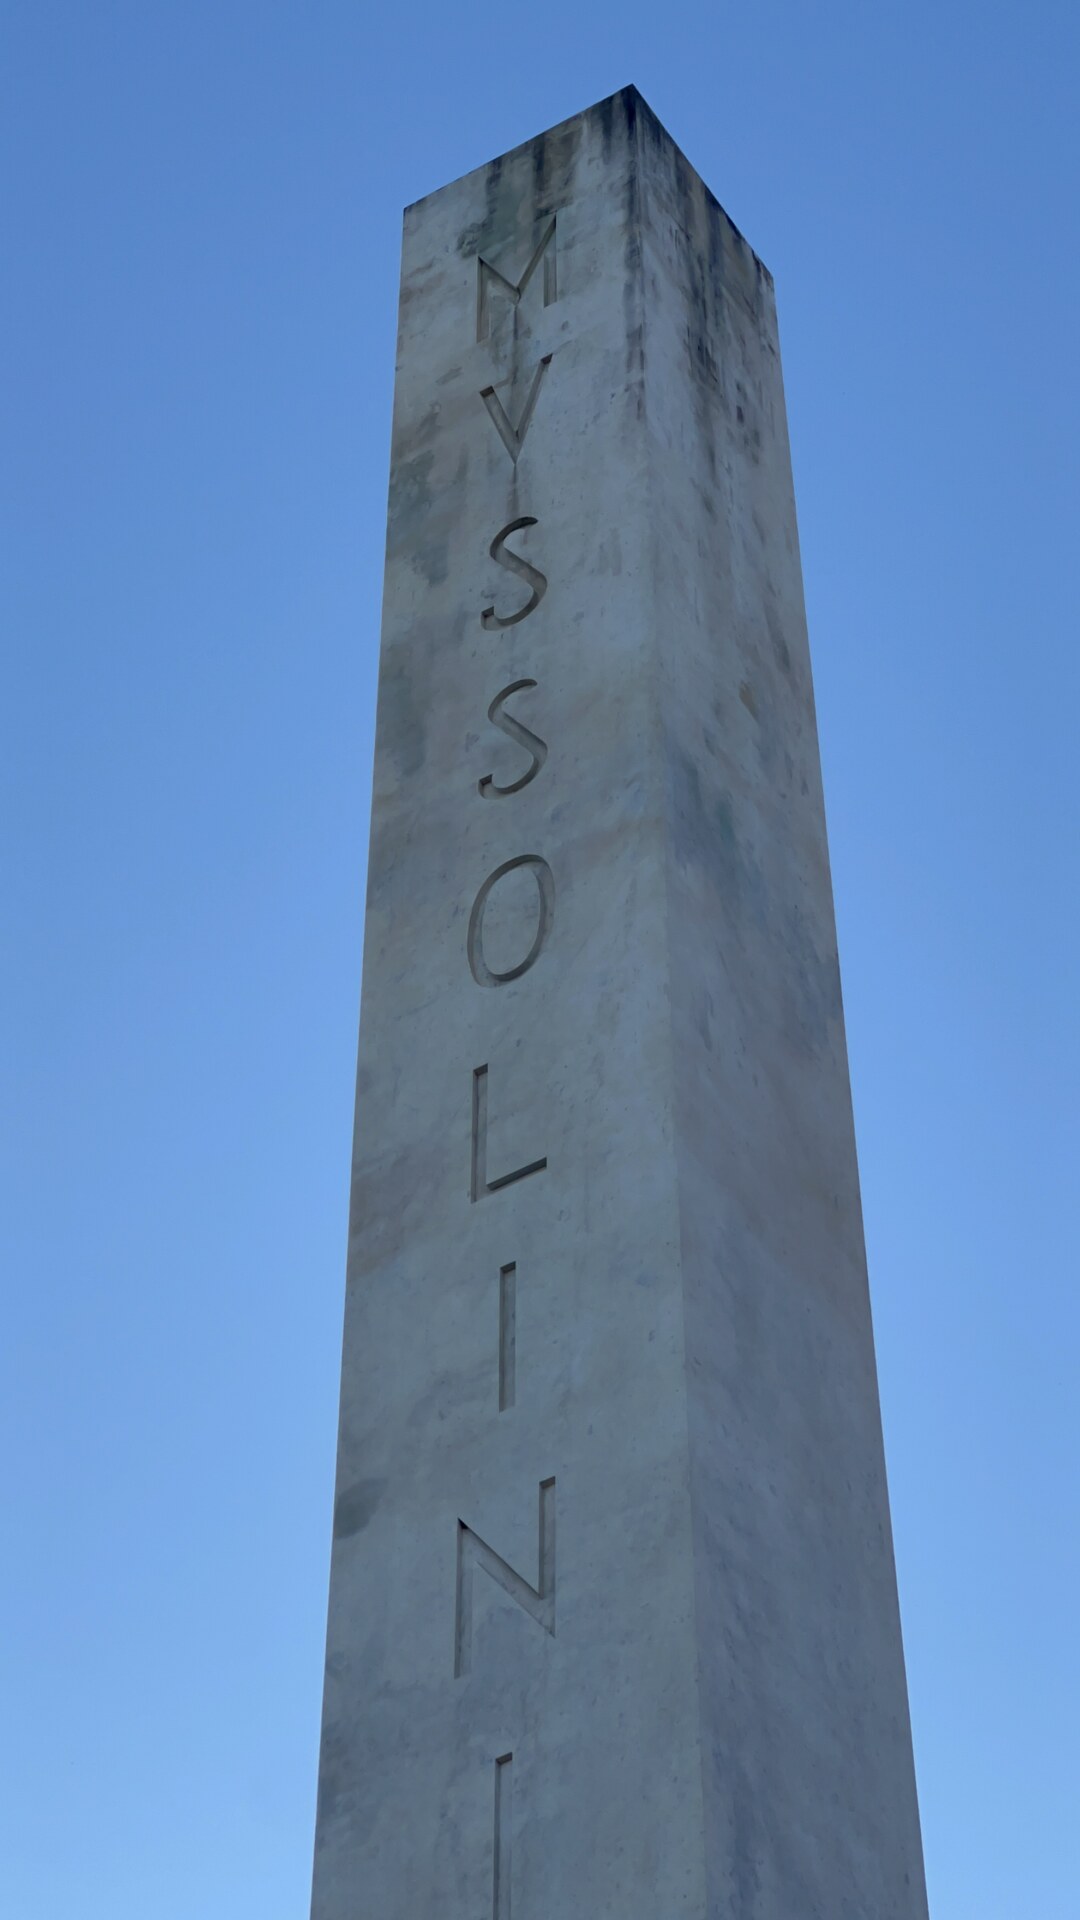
(633, 281)
(355, 1506)
(410, 498)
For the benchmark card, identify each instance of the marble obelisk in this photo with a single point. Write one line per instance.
(613, 1618)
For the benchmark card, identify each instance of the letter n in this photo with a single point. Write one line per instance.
(538, 1602)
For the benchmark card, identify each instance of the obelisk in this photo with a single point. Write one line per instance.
(613, 1619)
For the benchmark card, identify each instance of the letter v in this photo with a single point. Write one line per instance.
(513, 438)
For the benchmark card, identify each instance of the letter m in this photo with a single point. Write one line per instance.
(489, 280)
(538, 1602)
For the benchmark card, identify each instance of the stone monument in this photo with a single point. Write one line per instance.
(613, 1620)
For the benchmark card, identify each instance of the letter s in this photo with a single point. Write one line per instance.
(514, 563)
(523, 736)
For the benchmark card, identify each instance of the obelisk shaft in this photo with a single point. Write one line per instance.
(613, 1622)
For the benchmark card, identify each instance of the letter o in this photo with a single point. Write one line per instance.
(545, 890)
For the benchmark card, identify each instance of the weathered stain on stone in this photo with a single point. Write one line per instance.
(403, 703)
(778, 638)
(427, 426)
(410, 498)
(355, 1506)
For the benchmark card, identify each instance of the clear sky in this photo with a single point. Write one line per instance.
(199, 231)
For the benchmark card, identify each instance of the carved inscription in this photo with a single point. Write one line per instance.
(538, 1602)
(507, 1335)
(489, 280)
(513, 438)
(480, 1184)
(504, 1805)
(514, 563)
(524, 737)
(545, 893)
(472, 1551)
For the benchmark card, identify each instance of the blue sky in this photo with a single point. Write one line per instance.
(200, 234)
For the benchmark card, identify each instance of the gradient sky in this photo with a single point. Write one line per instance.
(200, 230)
